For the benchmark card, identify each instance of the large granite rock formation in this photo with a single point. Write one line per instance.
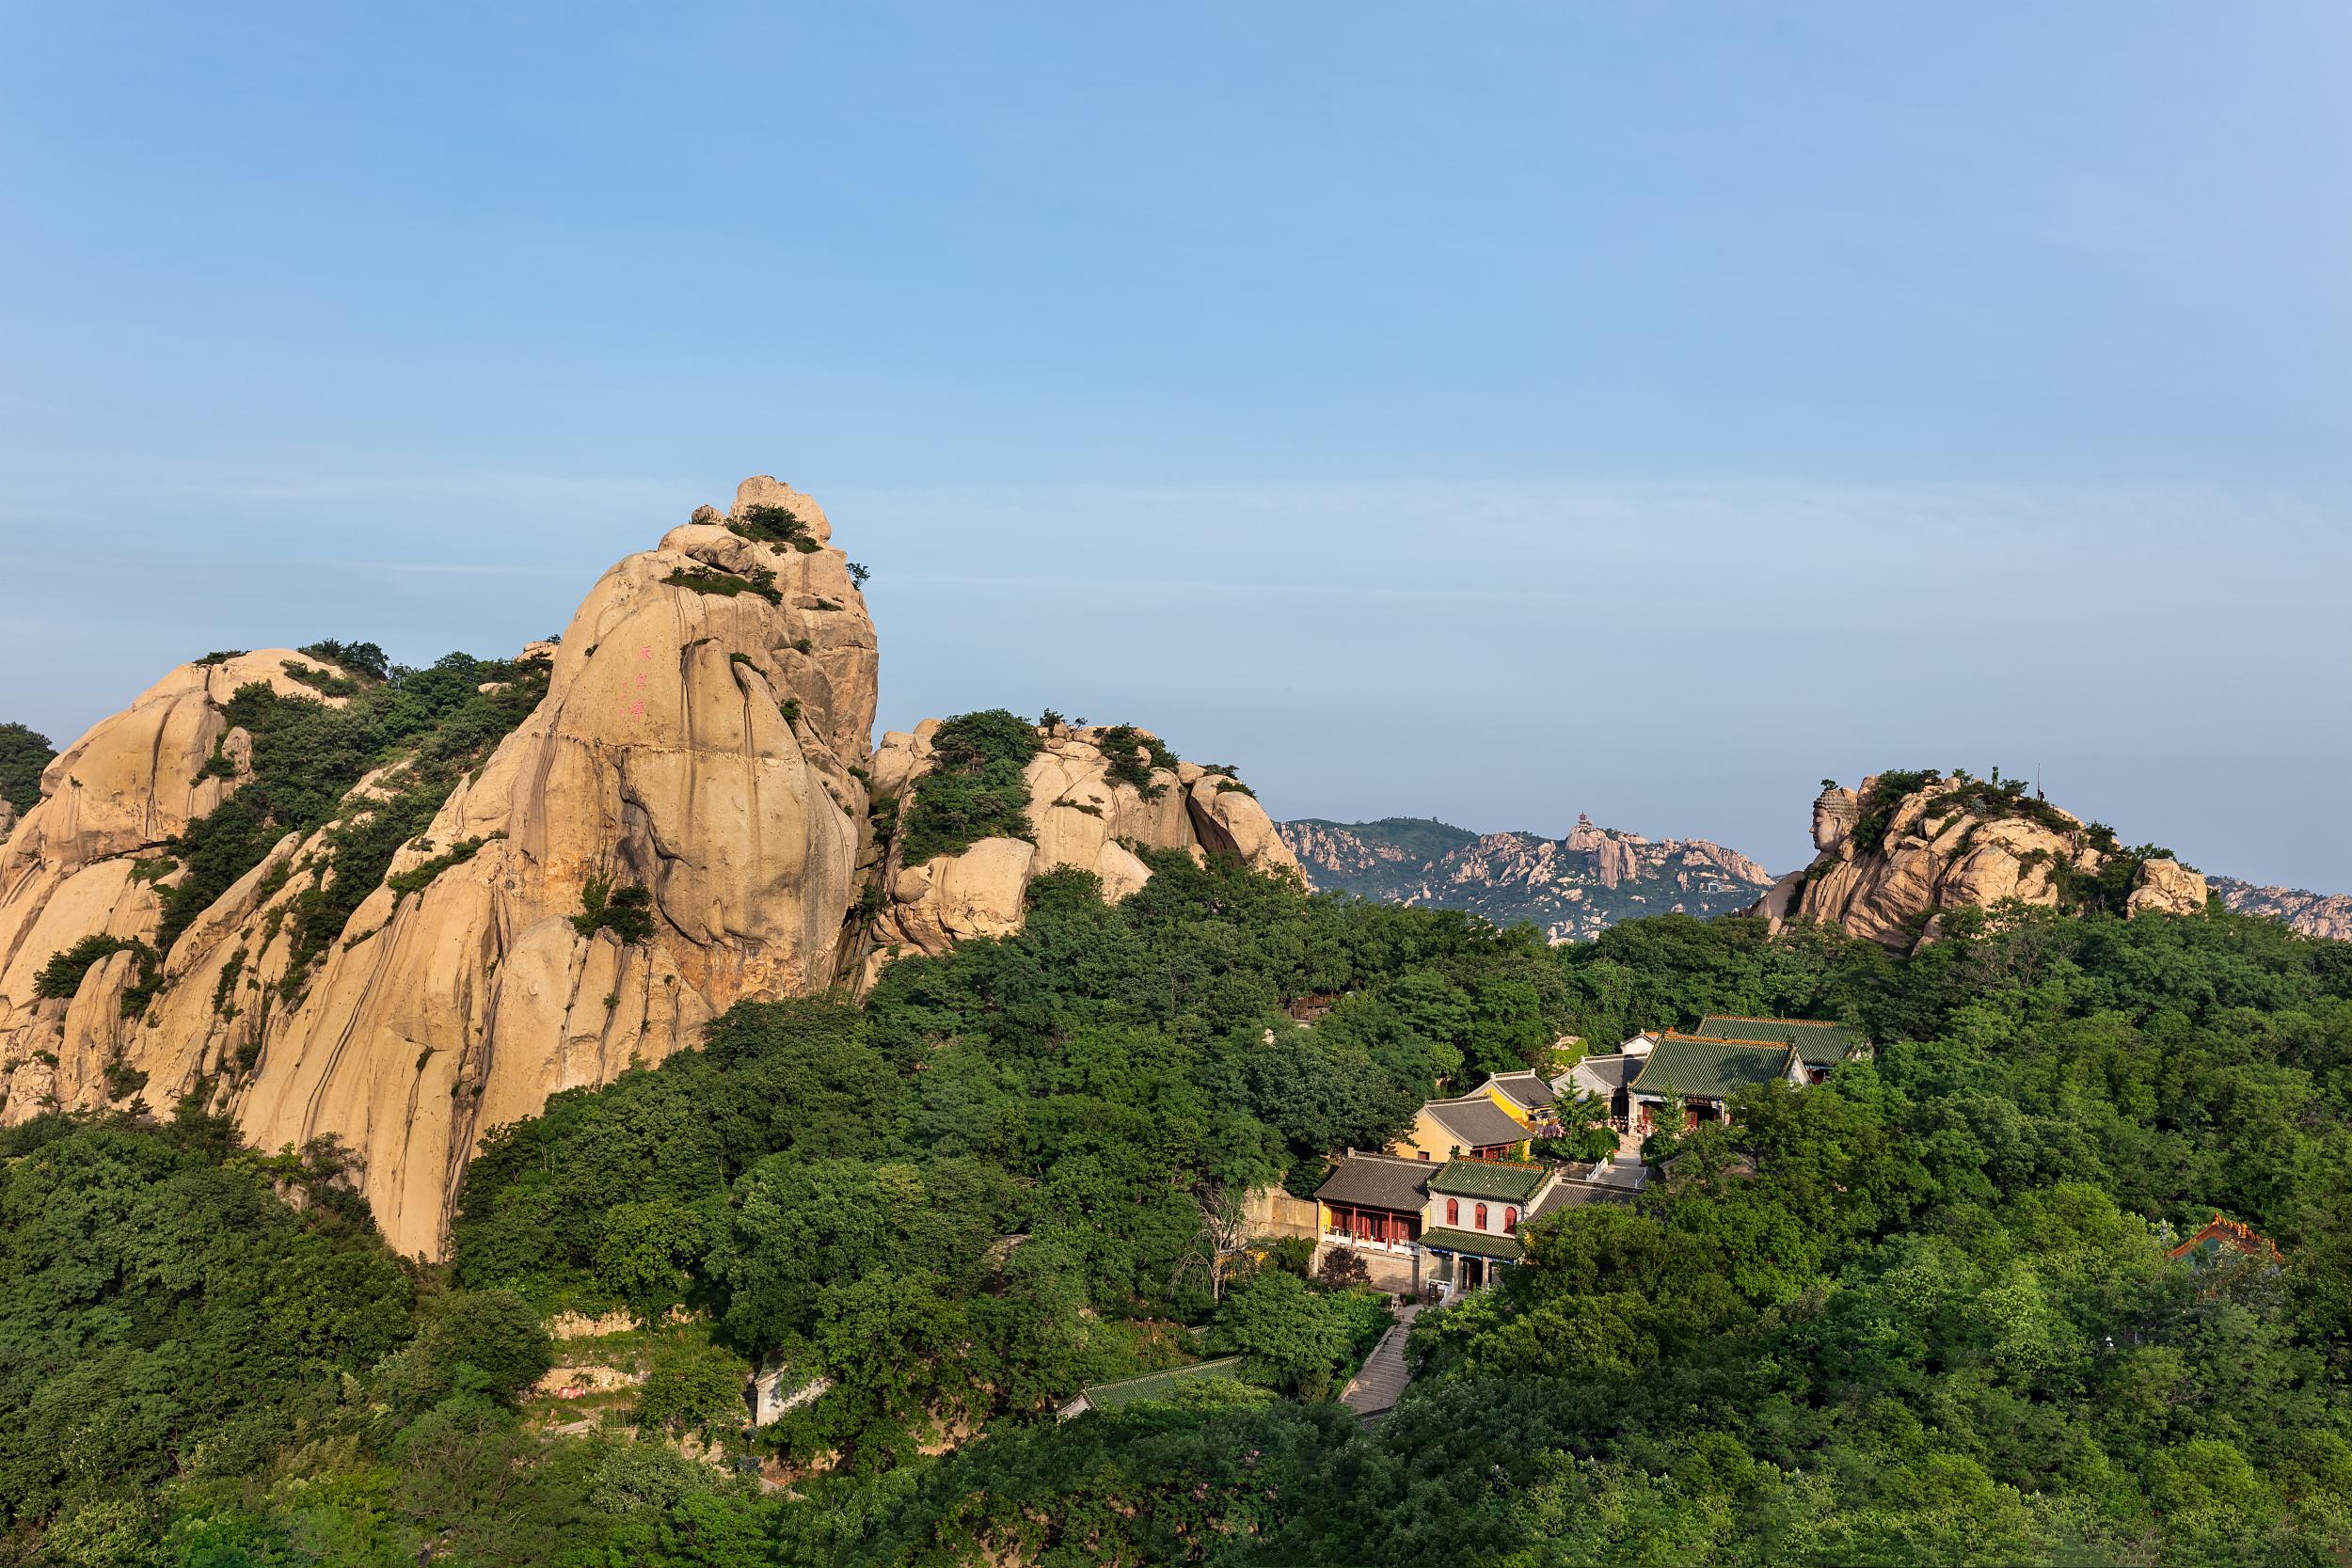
(1903, 848)
(703, 738)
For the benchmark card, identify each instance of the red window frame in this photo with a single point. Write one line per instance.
(1482, 1216)
(1454, 1211)
(1510, 1222)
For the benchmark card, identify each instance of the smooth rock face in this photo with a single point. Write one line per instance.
(975, 894)
(135, 779)
(659, 757)
(1230, 822)
(767, 490)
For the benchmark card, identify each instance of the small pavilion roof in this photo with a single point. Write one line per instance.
(1151, 1386)
(2218, 1235)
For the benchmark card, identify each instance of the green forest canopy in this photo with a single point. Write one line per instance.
(1934, 1325)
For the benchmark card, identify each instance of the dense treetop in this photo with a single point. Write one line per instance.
(23, 754)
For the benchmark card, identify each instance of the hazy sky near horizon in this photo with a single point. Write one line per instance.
(1492, 412)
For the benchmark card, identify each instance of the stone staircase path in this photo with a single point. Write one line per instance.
(1371, 1392)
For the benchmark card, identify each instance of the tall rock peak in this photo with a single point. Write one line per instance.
(703, 738)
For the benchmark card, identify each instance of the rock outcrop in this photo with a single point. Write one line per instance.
(703, 738)
(1903, 848)
(2169, 886)
(85, 862)
(1574, 888)
(1080, 816)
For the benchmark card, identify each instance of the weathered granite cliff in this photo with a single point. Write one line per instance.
(72, 867)
(1905, 848)
(705, 723)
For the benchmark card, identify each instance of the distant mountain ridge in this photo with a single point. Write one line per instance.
(1573, 888)
(2315, 914)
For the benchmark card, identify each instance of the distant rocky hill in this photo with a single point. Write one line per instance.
(1908, 848)
(1573, 888)
(2315, 914)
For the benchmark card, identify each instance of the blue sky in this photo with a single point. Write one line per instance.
(1493, 412)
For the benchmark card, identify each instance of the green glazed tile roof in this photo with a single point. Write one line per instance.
(1157, 1385)
(1482, 1178)
(1478, 1244)
(1819, 1044)
(1711, 1070)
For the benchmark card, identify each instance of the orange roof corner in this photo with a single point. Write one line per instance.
(2219, 1233)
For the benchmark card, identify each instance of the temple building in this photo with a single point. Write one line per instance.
(1448, 1200)
(1413, 1220)
(1487, 1123)
(1524, 1096)
(1479, 1210)
(1474, 1124)
(1607, 1079)
(1821, 1045)
(1705, 1074)
(1475, 1210)
(1373, 1205)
